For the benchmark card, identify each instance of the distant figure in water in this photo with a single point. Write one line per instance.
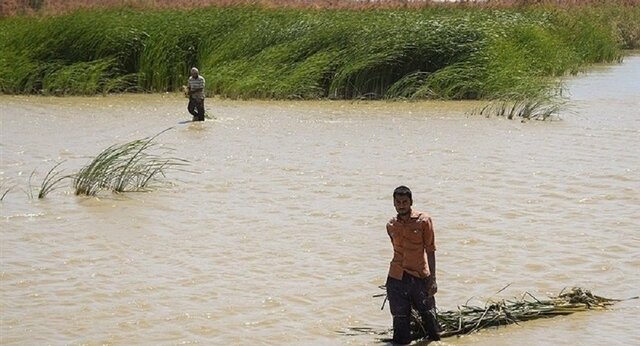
(411, 282)
(195, 90)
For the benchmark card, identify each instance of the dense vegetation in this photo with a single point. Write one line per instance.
(257, 52)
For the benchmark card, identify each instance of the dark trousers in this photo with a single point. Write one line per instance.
(196, 108)
(411, 292)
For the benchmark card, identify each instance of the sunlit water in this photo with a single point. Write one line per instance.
(275, 233)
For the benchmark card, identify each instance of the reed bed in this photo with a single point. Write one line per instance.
(435, 52)
(469, 319)
(124, 167)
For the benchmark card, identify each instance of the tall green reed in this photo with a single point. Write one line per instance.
(254, 52)
(126, 167)
(52, 181)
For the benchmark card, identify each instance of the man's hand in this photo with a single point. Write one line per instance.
(432, 286)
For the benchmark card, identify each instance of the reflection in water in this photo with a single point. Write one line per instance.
(275, 234)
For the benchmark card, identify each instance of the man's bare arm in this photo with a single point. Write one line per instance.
(433, 286)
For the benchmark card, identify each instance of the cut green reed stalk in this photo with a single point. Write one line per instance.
(470, 319)
(292, 53)
(124, 168)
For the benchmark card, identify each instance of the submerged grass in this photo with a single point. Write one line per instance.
(300, 53)
(124, 167)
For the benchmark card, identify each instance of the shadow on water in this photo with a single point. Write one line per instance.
(383, 337)
(190, 122)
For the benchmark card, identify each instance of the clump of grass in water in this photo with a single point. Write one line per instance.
(526, 109)
(124, 168)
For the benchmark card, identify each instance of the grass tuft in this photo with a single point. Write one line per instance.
(527, 109)
(125, 168)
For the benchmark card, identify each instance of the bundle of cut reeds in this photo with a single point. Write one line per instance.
(468, 319)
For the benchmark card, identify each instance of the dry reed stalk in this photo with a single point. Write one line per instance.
(56, 7)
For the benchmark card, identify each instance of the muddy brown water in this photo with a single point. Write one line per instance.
(275, 235)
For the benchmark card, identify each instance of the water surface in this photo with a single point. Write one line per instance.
(276, 233)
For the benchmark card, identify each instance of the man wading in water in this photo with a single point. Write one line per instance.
(412, 274)
(196, 95)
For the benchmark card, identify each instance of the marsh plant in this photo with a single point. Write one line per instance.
(525, 109)
(131, 166)
(127, 167)
(434, 52)
(52, 181)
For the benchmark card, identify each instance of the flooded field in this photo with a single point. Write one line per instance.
(275, 234)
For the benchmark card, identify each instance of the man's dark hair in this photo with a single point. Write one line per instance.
(402, 191)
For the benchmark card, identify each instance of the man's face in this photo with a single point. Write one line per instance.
(402, 204)
(194, 74)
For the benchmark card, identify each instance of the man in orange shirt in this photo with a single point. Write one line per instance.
(412, 274)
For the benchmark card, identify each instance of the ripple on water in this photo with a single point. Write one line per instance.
(277, 228)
